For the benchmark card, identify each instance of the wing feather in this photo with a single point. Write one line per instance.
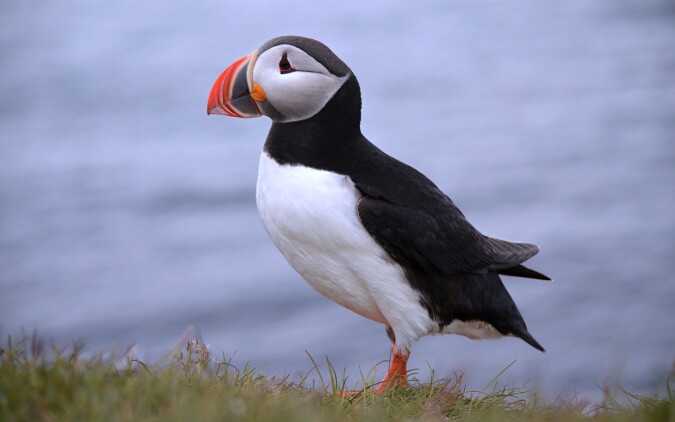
(446, 242)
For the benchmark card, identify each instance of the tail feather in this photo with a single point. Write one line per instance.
(505, 254)
(523, 271)
(527, 338)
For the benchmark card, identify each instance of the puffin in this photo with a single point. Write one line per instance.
(362, 228)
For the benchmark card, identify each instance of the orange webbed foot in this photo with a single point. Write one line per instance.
(397, 377)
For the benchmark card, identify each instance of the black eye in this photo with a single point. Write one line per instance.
(285, 65)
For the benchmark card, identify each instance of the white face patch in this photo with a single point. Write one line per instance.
(300, 94)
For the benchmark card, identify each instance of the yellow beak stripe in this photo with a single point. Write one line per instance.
(258, 94)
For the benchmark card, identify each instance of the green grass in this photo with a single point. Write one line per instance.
(62, 384)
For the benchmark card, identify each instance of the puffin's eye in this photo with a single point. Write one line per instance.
(285, 65)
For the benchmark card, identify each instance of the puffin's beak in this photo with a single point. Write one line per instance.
(231, 93)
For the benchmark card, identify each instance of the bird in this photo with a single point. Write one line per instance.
(362, 228)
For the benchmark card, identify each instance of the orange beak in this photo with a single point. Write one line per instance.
(231, 93)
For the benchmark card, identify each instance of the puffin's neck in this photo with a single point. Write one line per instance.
(328, 140)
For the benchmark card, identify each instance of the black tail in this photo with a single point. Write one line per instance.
(523, 271)
(527, 337)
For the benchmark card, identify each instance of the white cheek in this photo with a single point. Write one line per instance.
(299, 95)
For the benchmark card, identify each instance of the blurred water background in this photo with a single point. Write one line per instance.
(127, 215)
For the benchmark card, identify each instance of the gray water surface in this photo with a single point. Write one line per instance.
(127, 215)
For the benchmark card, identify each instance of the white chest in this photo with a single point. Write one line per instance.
(311, 217)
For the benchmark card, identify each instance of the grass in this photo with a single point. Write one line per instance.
(39, 383)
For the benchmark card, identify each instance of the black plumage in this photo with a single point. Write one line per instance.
(453, 266)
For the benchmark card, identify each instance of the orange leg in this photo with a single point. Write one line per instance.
(397, 375)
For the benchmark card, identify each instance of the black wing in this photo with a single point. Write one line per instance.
(414, 237)
(419, 225)
(446, 242)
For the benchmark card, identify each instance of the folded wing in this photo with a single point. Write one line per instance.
(444, 242)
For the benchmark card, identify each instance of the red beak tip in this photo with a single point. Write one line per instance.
(219, 101)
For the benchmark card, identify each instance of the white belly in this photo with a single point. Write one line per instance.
(311, 217)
